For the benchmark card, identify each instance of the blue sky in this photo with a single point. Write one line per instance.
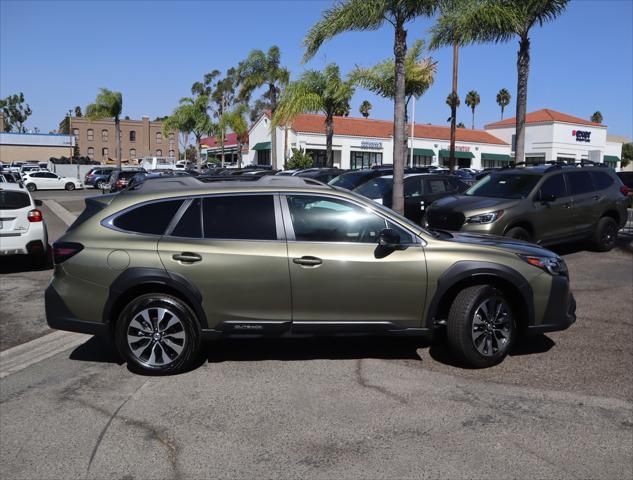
(60, 53)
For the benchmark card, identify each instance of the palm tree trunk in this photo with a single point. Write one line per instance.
(523, 70)
(285, 143)
(473, 119)
(451, 158)
(273, 131)
(198, 155)
(117, 129)
(399, 126)
(329, 134)
(502, 112)
(239, 151)
(222, 148)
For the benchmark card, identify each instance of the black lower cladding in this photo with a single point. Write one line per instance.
(59, 317)
(560, 312)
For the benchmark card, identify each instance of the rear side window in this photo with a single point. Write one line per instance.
(413, 187)
(601, 180)
(13, 200)
(190, 224)
(579, 182)
(151, 218)
(436, 186)
(554, 185)
(239, 217)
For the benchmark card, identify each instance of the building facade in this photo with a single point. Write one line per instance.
(34, 147)
(211, 150)
(139, 138)
(361, 143)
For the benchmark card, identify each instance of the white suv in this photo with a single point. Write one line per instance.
(22, 228)
(50, 181)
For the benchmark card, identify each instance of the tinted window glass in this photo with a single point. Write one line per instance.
(152, 218)
(14, 200)
(579, 182)
(405, 237)
(37, 175)
(554, 185)
(413, 187)
(375, 188)
(48, 175)
(505, 185)
(436, 186)
(190, 224)
(322, 219)
(601, 180)
(247, 217)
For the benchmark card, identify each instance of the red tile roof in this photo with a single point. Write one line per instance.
(229, 141)
(362, 127)
(543, 116)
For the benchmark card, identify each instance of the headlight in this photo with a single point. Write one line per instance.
(552, 265)
(487, 217)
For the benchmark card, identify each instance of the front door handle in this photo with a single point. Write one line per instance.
(308, 261)
(187, 257)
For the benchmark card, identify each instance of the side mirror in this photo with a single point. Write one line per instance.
(388, 238)
(38, 203)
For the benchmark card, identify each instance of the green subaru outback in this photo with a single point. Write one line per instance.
(546, 204)
(176, 261)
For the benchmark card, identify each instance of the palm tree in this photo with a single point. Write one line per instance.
(316, 91)
(235, 121)
(365, 108)
(191, 116)
(482, 21)
(503, 99)
(472, 100)
(419, 75)
(453, 101)
(362, 15)
(264, 69)
(597, 117)
(108, 104)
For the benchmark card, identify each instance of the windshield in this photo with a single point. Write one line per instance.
(504, 185)
(348, 180)
(375, 188)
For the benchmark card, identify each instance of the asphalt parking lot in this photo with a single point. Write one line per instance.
(561, 406)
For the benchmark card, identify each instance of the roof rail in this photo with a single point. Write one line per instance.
(289, 181)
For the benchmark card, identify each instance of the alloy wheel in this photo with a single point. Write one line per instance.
(156, 337)
(492, 326)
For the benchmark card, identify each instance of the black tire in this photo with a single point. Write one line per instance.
(606, 234)
(70, 186)
(101, 185)
(461, 332)
(161, 349)
(519, 233)
(31, 187)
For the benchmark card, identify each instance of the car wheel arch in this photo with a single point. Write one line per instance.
(524, 224)
(612, 214)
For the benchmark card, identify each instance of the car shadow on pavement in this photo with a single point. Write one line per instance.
(25, 263)
(623, 243)
(97, 349)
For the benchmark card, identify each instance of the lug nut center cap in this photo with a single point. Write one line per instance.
(156, 336)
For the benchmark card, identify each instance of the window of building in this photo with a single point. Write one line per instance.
(104, 135)
(239, 217)
(91, 134)
(151, 219)
(535, 160)
(132, 152)
(263, 157)
(172, 154)
(494, 163)
(104, 152)
(132, 136)
(76, 132)
(364, 159)
(422, 160)
(159, 137)
(91, 152)
(159, 153)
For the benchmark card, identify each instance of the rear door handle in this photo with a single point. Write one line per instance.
(308, 261)
(187, 257)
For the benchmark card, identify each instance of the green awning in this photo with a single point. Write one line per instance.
(424, 152)
(499, 157)
(262, 146)
(447, 154)
(611, 158)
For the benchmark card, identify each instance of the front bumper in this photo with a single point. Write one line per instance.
(59, 317)
(560, 312)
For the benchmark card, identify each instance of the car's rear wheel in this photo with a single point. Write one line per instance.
(519, 233)
(31, 187)
(101, 185)
(158, 333)
(481, 326)
(70, 186)
(606, 234)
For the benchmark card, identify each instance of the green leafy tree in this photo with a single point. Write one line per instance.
(627, 154)
(365, 108)
(503, 100)
(472, 100)
(108, 104)
(195, 111)
(316, 91)
(364, 15)
(299, 159)
(15, 111)
(597, 117)
(483, 21)
(234, 120)
(223, 97)
(264, 69)
(452, 100)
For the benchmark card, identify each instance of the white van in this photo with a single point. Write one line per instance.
(157, 163)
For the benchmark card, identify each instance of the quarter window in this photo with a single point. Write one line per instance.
(601, 180)
(579, 182)
(240, 217)
(152, 218)
(324, 219)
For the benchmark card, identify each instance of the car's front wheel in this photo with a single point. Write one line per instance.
(158, 333)
(70, 186)
(31, 187)
(481, 326)
(519, 233)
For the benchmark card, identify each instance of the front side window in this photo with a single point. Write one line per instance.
(152, 218)
(239, 217)
(437, 185)
(325, 219)
(376, 188)
(554, 187)
(579, 182)
(505, 185)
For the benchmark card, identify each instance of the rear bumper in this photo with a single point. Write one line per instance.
(560, 313)
(59, 317)
(34, 241)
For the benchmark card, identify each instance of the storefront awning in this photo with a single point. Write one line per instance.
(424, 152)
(447, 154)
(611, 158)
(262, 146)
(499, 157)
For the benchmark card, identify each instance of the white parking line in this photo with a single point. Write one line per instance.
(63, 214)
(22, 356)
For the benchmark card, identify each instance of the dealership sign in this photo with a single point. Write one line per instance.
(581, 135)
(371, 144)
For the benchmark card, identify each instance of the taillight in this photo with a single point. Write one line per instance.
(624, 190)
(34, 216)
(62, 251)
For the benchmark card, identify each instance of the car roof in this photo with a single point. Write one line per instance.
(12, 186)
